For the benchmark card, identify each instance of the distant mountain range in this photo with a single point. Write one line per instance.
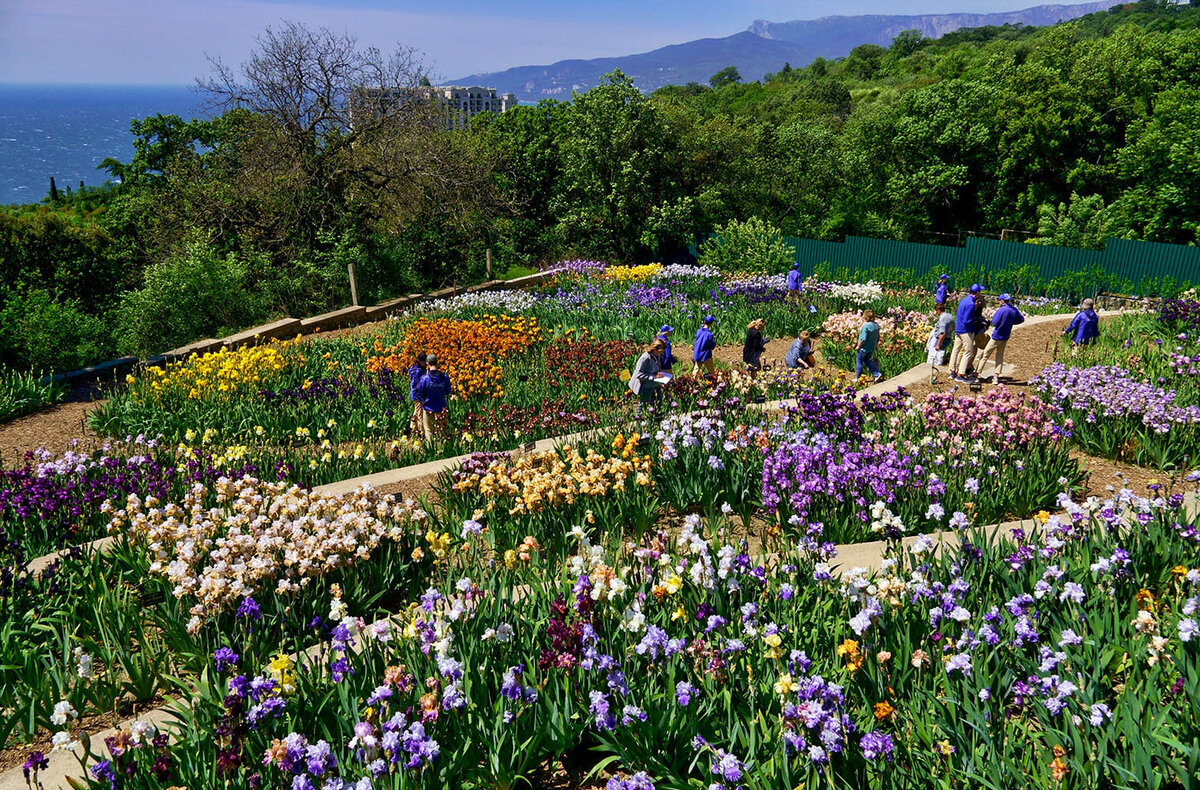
(761, 49)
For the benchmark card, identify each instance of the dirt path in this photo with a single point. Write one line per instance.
(1029, 351)
(56, 429)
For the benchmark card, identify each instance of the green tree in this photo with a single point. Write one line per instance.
(613, 172)
(1084, 222)
(726, 76)
(1162, 166)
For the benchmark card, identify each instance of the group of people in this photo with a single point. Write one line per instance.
(655, 367)
(429, 389)
(974, 341)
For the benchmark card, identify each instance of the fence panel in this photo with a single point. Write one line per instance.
(1141, 264)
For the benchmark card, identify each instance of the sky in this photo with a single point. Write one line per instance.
(166, 41)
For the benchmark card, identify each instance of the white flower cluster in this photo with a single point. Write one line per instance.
(680, 271)
(259, 533)
(858, 293)
(507, 301)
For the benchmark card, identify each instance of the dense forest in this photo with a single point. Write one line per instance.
(1069, 134)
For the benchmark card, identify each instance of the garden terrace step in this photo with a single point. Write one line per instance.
(334, 319)
(384, 309)
(284, 327)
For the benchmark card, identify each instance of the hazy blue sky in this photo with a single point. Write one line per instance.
(165, 41)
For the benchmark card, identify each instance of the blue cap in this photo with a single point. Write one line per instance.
(976, 288)
(665, 328)
(796, 265)
(944, 277)
(1004, 297)
(708, 319)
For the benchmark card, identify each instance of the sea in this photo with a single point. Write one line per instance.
(66, 131)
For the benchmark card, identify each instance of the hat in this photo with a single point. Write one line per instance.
(976, 288)
(1005, 297)
(708, 319)
(665, 328)
(431, 359)
(944, 277)
(796, 265)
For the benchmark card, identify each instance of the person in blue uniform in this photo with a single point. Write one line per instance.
(794, 283)
(434, 389)
(668, 357)
(702, 349)
(414, 377)
(939, 293)
(1085, 326)
(966, 326)
(1005, 318)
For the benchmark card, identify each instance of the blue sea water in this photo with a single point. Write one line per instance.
(66, 131)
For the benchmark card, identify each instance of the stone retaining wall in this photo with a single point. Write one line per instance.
(286, 328)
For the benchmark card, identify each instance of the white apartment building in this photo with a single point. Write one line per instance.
(461, 103)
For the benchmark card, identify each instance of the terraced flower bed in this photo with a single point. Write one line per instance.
(654, 603)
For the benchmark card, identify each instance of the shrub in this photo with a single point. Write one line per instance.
(39, 332)
(192, 295)
(753, 245)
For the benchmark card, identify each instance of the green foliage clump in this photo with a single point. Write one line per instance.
(41, 332)
(198, 293)
(753, 245)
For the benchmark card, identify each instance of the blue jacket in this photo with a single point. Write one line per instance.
(1004, 319)
(797, 351)
(705, 344)
(963, 317)
(414, 377)
(939, 295)
(794, 280)
(668, 358)
(1085, 327)
(433, 389)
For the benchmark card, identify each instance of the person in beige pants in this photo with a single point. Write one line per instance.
(968, 321)
(1007, 316)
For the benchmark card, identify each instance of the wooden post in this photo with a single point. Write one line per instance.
(353, 286)
(489, 263)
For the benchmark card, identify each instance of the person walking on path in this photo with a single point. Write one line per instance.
(868, 341)
(414, 378)
(940, 340)
(1005, 318)
(939, 294)
(702, 349)
(1085, 326)
(800, 353)
(970, 308)
(434, 389)
(793, 284)
(756, 344)
(644, 381)
(668, 358)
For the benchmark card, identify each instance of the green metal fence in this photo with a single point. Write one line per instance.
(1132, 267)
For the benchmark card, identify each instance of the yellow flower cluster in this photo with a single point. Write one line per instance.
(283, 671)
(259, 533)
(626, 274)
(219, 374)
(540, 480)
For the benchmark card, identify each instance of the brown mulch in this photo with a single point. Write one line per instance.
(1105, 473)
(56, 429)
(1029, 351)
(411, 489)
